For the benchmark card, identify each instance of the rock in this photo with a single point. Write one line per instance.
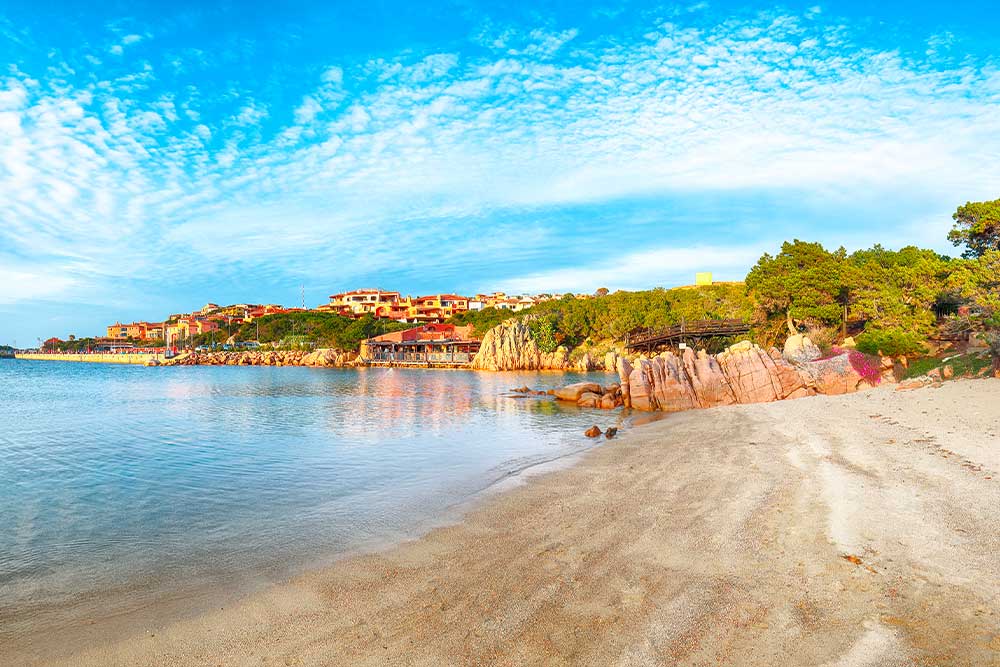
(707, 379)
(593, 432)
(573, 392)
(833, 376)
(799, 348)
(744, 373)
(624, 372)
(848, 343)
(611, 361)
(586, 363)
(520, 390)
(610, 401)
(510, 346)
(934, 374)
(589, 399)
(741, 346)
(755, 376)
(611, 432)
(914, 383)
(947, 371)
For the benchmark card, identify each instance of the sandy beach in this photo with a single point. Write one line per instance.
(836, 531)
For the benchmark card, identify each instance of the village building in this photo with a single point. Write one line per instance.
(358, 303)
(135, 331)
(429, 345)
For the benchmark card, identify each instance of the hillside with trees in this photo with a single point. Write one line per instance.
(572, 321)
(304, 330)
(891, 301)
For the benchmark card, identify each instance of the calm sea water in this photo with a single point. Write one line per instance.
(121, 486)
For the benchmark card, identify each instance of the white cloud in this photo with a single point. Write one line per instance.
(642, 270)
(106, 171)
(307, 111)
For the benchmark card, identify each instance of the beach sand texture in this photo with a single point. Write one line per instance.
(836, 531)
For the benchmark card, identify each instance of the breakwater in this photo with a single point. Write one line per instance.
(94, 357)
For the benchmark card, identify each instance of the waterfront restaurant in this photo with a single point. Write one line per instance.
(444, 345)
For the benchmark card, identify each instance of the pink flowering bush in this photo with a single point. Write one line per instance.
(867, 366)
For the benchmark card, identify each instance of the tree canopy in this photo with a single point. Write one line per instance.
(977, 227)
(804, 283)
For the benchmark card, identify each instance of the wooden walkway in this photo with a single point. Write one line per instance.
(648, 340)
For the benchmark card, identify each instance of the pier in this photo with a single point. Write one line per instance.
(130, 358)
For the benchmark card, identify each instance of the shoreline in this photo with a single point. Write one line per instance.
(193, 601)
(760, 534)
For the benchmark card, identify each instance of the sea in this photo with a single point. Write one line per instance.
(140, 494)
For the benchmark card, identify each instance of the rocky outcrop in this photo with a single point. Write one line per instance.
(798, 349)
(743, 373)
(509, 346)
(756, 376)
(611, 361)
(322, 358)
(573, 392)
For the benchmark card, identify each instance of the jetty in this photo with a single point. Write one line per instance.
(689, 333)
(130, 358)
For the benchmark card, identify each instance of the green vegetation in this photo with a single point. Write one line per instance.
(892, 342)
(78, 345)
(304, 330)
(892, 301)
(572, 322)
(977, 227)
(481, 320)
(965, 365)
(802, 283)
(898, 298)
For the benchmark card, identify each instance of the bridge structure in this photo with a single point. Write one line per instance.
(689, 333)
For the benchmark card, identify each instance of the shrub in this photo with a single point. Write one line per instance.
(890, 342)
(544, 333)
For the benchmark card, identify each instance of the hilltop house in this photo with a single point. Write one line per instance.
(361, 302)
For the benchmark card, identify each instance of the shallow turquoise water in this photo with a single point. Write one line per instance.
(120, 485)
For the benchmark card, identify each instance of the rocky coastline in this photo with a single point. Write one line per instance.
(744, 373)
(326, 358)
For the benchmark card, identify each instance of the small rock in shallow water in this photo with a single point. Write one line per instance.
(611, 432)
(593, 432)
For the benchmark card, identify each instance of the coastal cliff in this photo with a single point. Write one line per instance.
(510, 346)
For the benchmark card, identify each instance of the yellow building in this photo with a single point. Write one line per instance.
(135, 331)
(358, 303)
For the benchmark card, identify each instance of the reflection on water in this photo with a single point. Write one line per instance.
(120, 485)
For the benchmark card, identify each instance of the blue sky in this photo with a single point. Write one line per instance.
(155, 156)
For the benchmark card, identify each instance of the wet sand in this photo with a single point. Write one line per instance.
(835, 531)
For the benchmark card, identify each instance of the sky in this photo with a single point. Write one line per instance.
(158, 156)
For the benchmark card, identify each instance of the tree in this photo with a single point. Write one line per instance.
(804, 282)
(977, 281)
(977, 227)
(601, 291)
(897, 289)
